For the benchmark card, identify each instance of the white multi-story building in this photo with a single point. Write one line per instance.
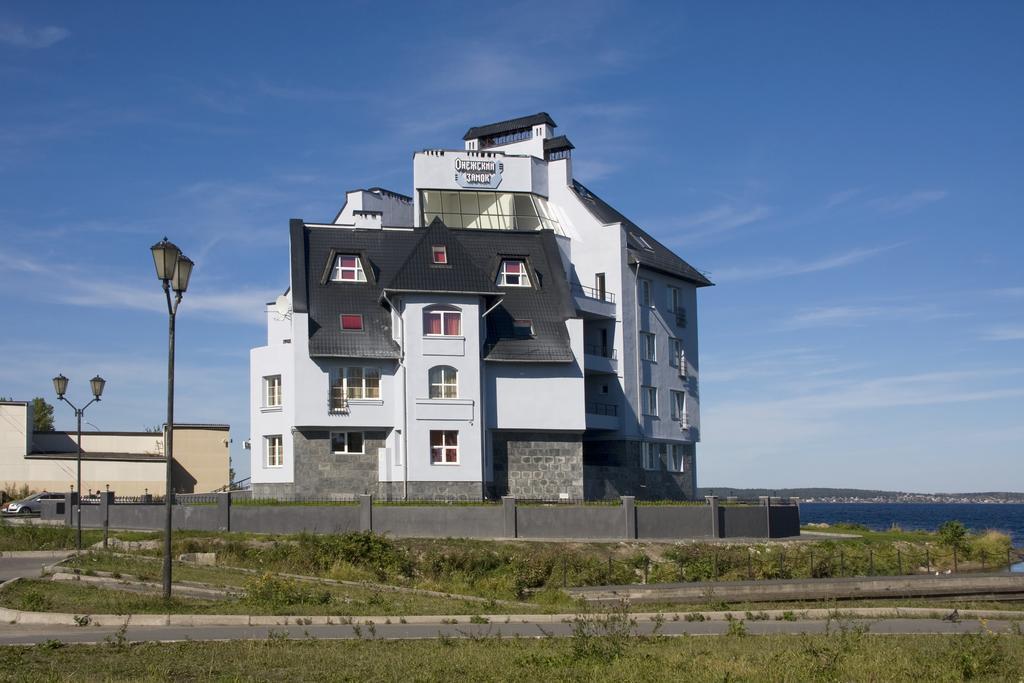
(501, 331)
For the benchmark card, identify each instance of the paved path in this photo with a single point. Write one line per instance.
(28, 564)
(26, 635)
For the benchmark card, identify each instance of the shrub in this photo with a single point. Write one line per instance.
(953, 535)
(268, 590)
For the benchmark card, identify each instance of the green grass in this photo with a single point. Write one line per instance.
(270, 595)
(843, 655)
(30, 536)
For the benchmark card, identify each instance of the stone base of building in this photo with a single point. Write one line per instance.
(615, 468)
(319, 473)
(537, 465)
(444, 490)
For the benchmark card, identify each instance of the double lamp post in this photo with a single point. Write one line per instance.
(173, 269)
(60, 385)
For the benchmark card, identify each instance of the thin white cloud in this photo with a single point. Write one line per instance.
(713, 222)
(1010, 292)
(839, 316)
(842, 197)
(786, 268)
(908, 202)
(17, 35)
(1004, 333)
(246, 305)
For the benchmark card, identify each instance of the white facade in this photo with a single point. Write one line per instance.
(622, 295)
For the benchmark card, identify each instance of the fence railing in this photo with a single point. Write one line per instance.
(593, 293)
(598, 350)
(608, 409)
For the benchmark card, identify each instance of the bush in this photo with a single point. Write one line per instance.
(268, 590)
(953, 535)
(992, 546)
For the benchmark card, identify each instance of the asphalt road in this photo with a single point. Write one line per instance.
(27, 635)
(27, 567)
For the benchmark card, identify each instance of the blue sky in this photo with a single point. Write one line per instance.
(849, 174)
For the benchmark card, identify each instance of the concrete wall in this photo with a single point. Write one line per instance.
(680, 521)
(743, 521)
(785, 521)
(508, 520)
(571, 521)
(457, 521)
(127, 462)
(283, 519)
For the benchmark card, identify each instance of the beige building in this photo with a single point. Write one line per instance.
(128, 462)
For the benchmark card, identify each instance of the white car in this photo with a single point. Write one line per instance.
(30, 505)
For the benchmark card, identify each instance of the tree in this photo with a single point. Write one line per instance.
(42, 415)
(953, 534)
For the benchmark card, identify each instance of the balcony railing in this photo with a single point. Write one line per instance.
(608, 409)
(598, 350)
(593, 293)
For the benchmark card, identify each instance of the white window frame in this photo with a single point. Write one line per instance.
(677, 458)
(673, 299)
(649, 398)
(273, 451)
(675, 351)
(439, 249)
(344, 378)
(444, 313)
(348, 451)
(644, 294)
(678, 405)
(444, 446)
(649, 456)
(338, 271)
(523, 274)
(272, 388)
(649, 346)
(441, 381)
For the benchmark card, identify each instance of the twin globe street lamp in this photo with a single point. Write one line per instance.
(60, 385)
(173, 269)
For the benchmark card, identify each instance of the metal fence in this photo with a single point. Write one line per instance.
(593, 293)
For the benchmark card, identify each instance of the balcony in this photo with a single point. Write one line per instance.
(599, 360)
(602, 416)
(593, 303)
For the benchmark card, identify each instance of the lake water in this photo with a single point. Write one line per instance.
(1008, 518)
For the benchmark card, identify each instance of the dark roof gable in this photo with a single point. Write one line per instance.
(460, 275)
(642, 248)
(508, 126)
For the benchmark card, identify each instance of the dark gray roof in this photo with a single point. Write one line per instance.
(508, 126)
(400, 261)
(419, 273)
(642, 248)
(560, 142)
(546, 302)
(382, 252)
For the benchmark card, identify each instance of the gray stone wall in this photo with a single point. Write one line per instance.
(319, 473)
(537, 464)
(445, 490)
(615, 468)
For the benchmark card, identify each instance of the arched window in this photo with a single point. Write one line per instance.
(442, 321)
(444, 382)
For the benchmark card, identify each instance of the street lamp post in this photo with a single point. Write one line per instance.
(60, 385)
(173, 269)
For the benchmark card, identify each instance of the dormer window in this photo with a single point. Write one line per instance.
(440, 254)
(522, 329)
(513, 274)
(348, 268)
(351, 322)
